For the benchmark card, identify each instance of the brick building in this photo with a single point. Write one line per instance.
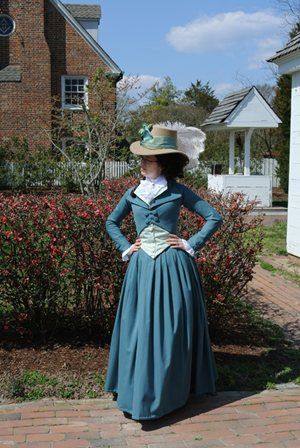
(47, 49)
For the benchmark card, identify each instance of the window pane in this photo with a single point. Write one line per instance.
(68, 99)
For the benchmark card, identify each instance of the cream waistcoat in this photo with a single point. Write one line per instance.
(153, 240)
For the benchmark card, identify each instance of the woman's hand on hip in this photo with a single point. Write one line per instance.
(175, 241)
(135, 247)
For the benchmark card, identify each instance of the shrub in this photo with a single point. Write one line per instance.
(60, 271)
(227, 260)
(21, 169)
(56, 264)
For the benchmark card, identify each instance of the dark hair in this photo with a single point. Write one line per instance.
(172, 166)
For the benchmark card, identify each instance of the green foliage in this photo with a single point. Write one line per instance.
(282, 105)
(201, 95)
(164, 95)
(196, 179)
(275, 239)
(267, 266)
(29, 385)
(216, 147)
(21, 168)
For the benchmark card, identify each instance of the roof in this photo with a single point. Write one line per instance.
(226, 106)
(106, 59)
(243, 109)
(81, 12)
(291, 46)
(11, 73)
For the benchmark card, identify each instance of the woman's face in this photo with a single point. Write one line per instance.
(150, 167)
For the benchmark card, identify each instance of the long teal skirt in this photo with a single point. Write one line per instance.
(160, 348)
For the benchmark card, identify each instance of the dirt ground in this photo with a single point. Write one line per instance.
(56, 358)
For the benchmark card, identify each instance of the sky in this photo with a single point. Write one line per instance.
(223, 42)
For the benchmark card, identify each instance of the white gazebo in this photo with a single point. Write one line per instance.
(242, 111)
(288, 61)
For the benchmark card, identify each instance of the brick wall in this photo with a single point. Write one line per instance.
(46, 47)
(25, 106)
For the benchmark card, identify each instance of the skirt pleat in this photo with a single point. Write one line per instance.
(160, 348)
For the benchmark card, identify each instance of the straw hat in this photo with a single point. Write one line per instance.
(190, 140)
(156, 140)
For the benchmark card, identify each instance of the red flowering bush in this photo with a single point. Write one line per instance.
(60, 270)
(227, 260)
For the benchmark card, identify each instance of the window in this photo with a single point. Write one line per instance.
(7, 25)
(74, 90)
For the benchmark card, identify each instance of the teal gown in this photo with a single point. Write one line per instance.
(160, 348)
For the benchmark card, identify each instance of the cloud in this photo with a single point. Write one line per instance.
(223, 31)
(265, 48)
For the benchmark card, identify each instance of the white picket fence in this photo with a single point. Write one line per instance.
(269, 168)
(115, 168)
(55, 175)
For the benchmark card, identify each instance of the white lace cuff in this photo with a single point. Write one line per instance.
(188, 247)
(126, 257)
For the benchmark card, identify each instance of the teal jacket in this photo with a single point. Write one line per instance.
(164, 212)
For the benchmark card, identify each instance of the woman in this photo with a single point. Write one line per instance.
(160, 349)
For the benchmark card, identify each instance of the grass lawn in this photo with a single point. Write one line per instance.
(275, 247)
(275, 239)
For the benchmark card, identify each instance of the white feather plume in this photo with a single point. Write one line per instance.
(190, 140)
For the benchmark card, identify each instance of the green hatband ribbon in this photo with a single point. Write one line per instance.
(151, 142)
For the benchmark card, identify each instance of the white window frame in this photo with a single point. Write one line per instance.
(63, 92)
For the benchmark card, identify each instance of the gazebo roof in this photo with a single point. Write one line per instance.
(226, 106)
(290, 47)
(244, 109)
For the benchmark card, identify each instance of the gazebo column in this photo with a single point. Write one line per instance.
(231, 152)
(248, 135)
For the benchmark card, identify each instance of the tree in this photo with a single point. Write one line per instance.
(165, 94)
(200, 95)
(291, 8)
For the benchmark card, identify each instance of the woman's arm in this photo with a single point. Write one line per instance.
(113, 221)
(213, 219)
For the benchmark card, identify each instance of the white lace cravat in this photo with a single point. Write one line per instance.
(150, 187)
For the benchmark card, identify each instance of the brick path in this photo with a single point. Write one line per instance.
(269, 419)
(228, 419)
(278, 299)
